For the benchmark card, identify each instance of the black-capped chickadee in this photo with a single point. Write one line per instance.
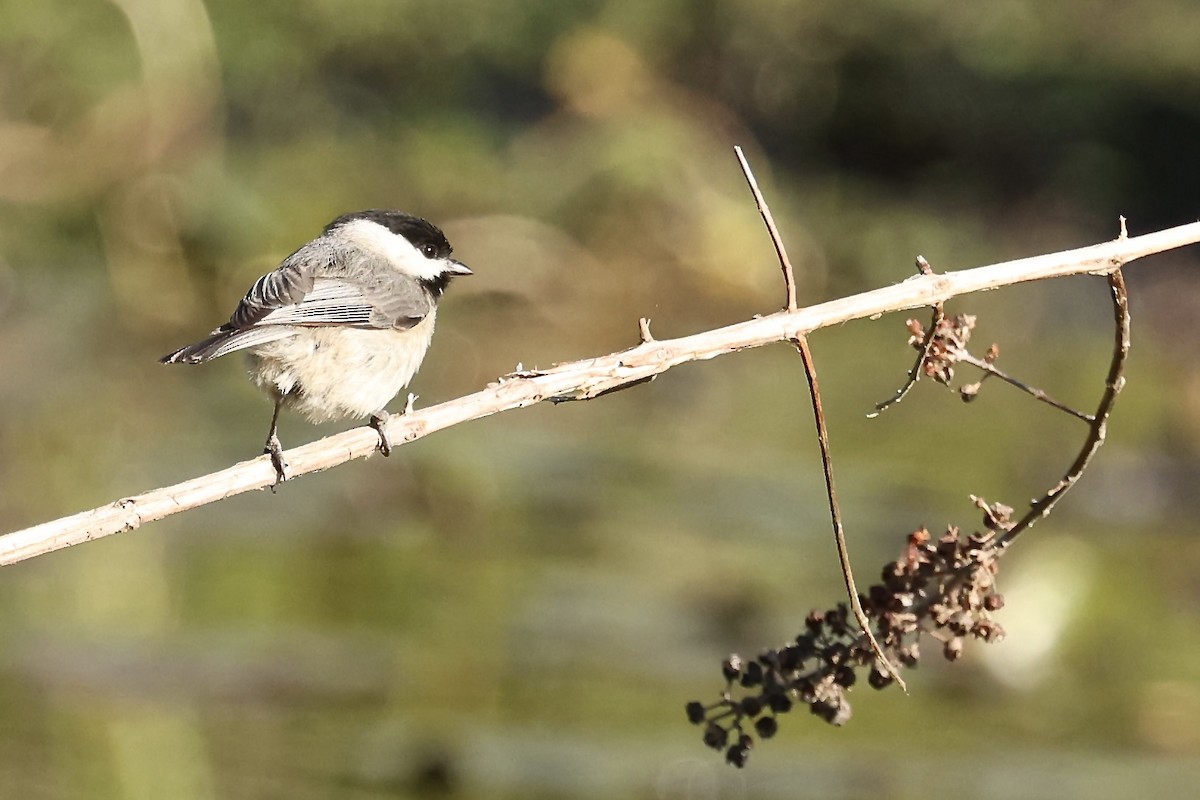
(341, 326)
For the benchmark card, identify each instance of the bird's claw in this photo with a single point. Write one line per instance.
(275, 450)
(378, 421)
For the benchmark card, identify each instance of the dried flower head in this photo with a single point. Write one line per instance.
(949, 337)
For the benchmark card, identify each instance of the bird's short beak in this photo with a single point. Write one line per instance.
(457, 268)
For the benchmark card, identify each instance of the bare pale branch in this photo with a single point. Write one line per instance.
(583, 380)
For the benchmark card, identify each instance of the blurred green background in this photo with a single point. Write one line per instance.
(520, 607)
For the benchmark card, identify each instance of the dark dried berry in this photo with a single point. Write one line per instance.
(909, 655)
(994, 602)
(790, 658)
(845, 677)
(879, 680)
(738, 755)
(814, 621)
(715, 736)
(766, 727)
(824, 709)
(836, 653)
(695, 712)
(779, 703)
(752, 675)
(732, 667)
(751, 706)
(805, 646)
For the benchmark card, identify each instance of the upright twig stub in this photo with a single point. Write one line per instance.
(789, 276)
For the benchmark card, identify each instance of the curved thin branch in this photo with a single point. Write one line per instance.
(1098, 425)
(581, 380)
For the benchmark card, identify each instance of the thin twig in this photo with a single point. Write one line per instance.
(789, 277)
(814, 392)
(835, 514)
(965, 357)
(588, 377)
(914, 374)
(644, 330)
(1098, 428)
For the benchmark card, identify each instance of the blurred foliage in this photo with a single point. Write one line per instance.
(519, 607)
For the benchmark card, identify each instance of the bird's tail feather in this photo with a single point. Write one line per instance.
(226, 341)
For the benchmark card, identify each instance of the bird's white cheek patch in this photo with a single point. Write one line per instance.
(375, 238)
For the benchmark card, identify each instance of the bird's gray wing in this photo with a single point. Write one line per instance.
(389, 300)
(289, 298)
(281, 287)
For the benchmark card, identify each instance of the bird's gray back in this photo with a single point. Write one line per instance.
(321, 284)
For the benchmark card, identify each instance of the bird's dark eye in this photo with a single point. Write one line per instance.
(429, 250)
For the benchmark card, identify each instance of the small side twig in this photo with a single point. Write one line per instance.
(944, 346)
(989, 368)
(914, 374)
(644, 330)
(810, 371)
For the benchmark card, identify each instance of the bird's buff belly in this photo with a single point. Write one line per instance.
(335, 373)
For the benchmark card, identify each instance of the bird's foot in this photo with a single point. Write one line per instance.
(275, 450)
(378, 421)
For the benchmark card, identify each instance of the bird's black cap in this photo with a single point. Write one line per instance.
(419, 232)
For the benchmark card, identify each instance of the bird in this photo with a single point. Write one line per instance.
(342, 324)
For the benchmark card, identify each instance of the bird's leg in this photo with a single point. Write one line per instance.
(378, 421)
(274, 449)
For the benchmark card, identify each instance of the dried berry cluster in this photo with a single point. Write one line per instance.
(946, 347)
(943, 589)
(950, 336)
